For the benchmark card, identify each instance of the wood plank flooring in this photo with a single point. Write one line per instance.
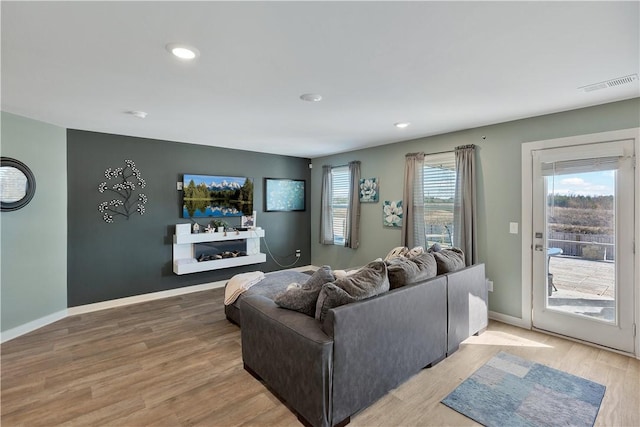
(177, 362)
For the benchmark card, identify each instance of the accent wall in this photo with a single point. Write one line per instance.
(134, 256)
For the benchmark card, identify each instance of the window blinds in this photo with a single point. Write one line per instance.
(580, 166)
(340, 201)
(439, 182)
(439, 176)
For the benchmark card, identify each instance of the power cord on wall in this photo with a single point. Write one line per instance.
(266, 245)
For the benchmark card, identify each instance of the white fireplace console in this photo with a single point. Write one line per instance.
(184, 253)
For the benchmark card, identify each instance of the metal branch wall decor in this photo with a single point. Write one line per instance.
(127, 182)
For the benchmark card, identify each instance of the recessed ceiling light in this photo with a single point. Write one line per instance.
(311, 97)
(401, 125)
(183, 51)
(138, 114)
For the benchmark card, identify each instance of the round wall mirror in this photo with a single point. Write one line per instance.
(17, 184)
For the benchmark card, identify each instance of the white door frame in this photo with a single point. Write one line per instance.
(527, 213)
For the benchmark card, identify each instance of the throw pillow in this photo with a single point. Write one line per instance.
(367, 282)
(435, 248)
(400, 251)
(339, 274)
(404, 271)
(449, 260)
(418, 250)
(303, 298)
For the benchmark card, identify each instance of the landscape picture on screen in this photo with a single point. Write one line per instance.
(216, 196)
(284, 195)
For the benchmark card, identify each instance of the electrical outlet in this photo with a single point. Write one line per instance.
(297, 253)
(490, 285)
(178, 185)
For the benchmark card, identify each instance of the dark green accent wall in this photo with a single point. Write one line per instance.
(133, 257)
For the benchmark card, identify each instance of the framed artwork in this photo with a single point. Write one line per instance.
(392, 213)
(369, 190)
(284, 195)
(248, 221)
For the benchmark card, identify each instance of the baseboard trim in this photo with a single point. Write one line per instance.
(510, 320)
(157, 295)
(32, 325)
(136, 299)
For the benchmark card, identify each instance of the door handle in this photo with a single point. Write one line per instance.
(539, 248)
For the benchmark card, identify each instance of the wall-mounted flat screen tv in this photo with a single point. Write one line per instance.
(216, 196)
(282, 195)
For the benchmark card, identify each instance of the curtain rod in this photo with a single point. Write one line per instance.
(429, 154)
(448, 151)
(440, 152)
(426, 154)
(337, 166)
(342, 166)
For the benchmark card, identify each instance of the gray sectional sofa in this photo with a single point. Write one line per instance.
(328, 371)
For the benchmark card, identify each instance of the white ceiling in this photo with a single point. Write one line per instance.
(443, 66)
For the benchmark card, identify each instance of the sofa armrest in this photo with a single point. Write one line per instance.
(468, 304)
(289, 351)
(382, 341)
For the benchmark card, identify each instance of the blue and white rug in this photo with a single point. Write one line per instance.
(510, 391)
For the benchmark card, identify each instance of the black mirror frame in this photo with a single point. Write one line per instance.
(31, 184)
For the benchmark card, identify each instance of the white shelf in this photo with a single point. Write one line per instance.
(196, 267)
(216, 237)
(184, 252)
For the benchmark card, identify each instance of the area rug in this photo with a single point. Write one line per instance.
(510, 391)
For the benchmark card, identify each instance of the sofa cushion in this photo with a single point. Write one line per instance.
(449, 260)
(367, 282)
(303, 297)
(403, 271)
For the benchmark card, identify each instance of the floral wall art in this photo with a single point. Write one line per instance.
(123, 183)
(392, 213)
(369, 190)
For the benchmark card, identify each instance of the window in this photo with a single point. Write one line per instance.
(340, 203)
(439, 182)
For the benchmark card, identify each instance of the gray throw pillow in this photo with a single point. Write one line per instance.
(303, 298)
(367, 282)
(404, 271)
(435, 248)
(449, 260)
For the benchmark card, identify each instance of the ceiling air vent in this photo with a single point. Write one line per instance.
(619, 81)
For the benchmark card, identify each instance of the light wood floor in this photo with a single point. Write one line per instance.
(177, 362)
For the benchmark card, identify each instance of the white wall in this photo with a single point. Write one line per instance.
(34, 239)
(499, 190)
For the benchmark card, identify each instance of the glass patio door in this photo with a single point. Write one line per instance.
(583, 225)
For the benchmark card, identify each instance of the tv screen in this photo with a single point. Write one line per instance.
(216, 196)
(283, 195)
